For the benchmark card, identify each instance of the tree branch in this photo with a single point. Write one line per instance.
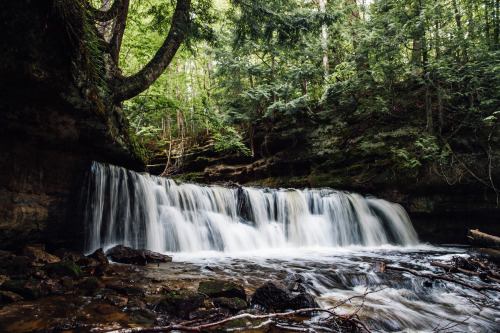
(446, 278)
(108, 15)
(118, 30)
(128, 87)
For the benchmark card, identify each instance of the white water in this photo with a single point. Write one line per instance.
(252, 235)
(159, 214)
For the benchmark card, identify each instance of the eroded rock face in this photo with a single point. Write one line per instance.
(50, 131)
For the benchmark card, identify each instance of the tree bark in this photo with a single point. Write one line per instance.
(128, 87)
(110, 13)
(480, 238)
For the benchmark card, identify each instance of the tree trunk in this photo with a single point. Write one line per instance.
(324, 42)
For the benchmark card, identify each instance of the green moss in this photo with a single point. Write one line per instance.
(90, 283)
(16, 286)
(28, 289)
(64, 268)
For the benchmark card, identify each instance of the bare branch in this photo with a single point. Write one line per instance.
(446, 278)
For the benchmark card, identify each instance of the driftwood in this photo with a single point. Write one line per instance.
(482, 239)
(186, 326)
(444, 277)
(487, 275)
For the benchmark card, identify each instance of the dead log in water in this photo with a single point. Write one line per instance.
(482, 239)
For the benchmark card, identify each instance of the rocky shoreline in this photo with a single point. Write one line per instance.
(121, 296)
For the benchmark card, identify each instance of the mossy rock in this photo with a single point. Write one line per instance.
(90, 283)
(28, 289)
(63, 268)
(233, 304)
(220, 288)
(181, 302)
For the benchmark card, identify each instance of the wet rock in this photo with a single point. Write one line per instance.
(272, 296)
(38, 256)
(200, 314)
(63, 268)
(378, 267)
(302, 301)
(68, 255)
(3, 278)
(100, 256)
(181, 302)
(233, 304)
(9, 297)
(221, 288)
(28, 289)
(127, 255)
(136, 303)
(119, 301)
(127, 289)
(90, 284)
(15, 266)
(53, 287)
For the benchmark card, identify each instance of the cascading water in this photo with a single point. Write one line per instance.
(158, 214)
(329, 238)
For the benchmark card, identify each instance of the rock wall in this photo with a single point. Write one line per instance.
(49, 130)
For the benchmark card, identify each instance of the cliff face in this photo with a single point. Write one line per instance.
(444, 197)
(51, 129)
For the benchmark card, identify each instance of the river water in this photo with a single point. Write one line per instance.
(252, 235)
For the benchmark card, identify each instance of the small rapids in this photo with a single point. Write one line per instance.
(252, 235)
(401, 302)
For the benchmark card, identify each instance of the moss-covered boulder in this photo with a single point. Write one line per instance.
(221, 288)
(181, 302)
(234, 304)
(63, 268)
(26, 288)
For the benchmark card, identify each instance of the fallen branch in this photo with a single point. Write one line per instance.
(446, 278)
(198, 328)
(451, 268)
(482, 275)
(481, 238)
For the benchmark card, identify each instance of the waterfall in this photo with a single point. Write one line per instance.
(160, 214)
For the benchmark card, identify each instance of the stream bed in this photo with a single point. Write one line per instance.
(400, 302)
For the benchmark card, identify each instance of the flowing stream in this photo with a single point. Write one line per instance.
(251, 235)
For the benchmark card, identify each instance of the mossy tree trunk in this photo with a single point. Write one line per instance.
(60, 108)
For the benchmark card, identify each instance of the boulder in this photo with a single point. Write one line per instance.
(302, 301)
(9, 297)
(128, 255)
(272, 296)
(221, 288)
(63, 268)
(234, 304)
(38, 256)
(28, 289)
(181, 302)
(100, 256)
